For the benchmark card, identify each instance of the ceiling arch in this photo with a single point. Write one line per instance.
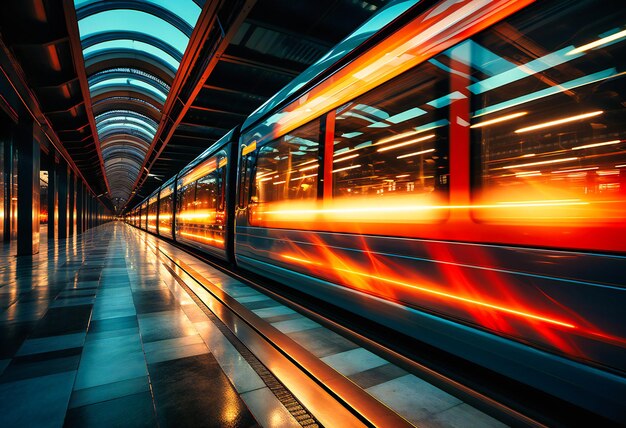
(132, 51)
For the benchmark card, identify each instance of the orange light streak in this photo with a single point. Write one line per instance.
(499, 119)
(406, 143)
(346, 168)
(279, 182)
(558, 121)
(438, 293)
(346, 158)
(563, 171)
(310, 167)
(588, 146)
(307, 162)
(409, 208)
(522, 165)
(396, 137)
(408, 155)
(303, 177)
(203, 238)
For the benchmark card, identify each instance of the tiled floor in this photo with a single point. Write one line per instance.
(94, 332)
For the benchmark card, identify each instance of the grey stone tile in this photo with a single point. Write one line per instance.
(51, 343)
(36, 402)
(109, 391)
(267, 410)
(354, 361)
(413, 398)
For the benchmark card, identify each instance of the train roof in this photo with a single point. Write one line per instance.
(371, 27)
(210, 150)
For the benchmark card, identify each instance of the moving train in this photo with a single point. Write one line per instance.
(454, 170)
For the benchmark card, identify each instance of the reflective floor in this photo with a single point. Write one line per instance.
(97, 331)
(94, 333)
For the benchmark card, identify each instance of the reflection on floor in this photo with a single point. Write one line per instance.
(93, 332)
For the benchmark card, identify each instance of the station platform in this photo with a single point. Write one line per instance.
(119, 328)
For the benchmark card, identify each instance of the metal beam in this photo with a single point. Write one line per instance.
(77, 54)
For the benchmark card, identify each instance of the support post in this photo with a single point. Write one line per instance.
(28, 189)
(62, 175)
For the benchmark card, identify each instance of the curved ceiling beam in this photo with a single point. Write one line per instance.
(124, 139)
(128, 73)
(129, 59)
(120, 103)
(126, 89)
(114, 20)
(98, 7)
(96, 39)
(124, 96)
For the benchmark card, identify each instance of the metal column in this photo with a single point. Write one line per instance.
(62, 175)
(28, 189)
(71, 199)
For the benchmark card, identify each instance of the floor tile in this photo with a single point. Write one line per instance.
(59, 321)
(52, 343)
(354, 361)
(109, 391)
(134, 410)
(44, 364)
(412, 397)
(194, 391)
(462, 416)
(267, 410)
(377, 375)
(322, 342)
(36, 402)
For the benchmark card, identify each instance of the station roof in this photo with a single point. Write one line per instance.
(136, 89)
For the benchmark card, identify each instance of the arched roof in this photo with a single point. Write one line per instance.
(132, 50)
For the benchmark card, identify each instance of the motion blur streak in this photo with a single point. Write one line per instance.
(438, 293)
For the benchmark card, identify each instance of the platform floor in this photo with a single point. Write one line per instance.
(96, 331)
(92, 335)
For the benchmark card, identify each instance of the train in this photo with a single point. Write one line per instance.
(452, 170)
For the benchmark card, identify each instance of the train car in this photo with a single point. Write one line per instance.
(460, 177)
(166, 208)
(144, 216)
(204, 210)
(152, 208)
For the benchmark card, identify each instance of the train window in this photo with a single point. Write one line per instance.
(165, 210)
(287, 169)
(391, 144)
(548, 114)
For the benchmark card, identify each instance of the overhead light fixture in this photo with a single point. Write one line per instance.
(559, 121)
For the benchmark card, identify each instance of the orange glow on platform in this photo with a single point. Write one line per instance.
(438, 293)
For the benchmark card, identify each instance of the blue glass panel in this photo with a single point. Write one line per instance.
(132, 84)
(133, 45)
(127, 129)
(126, 120)
(187, 10)
(132, 20)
